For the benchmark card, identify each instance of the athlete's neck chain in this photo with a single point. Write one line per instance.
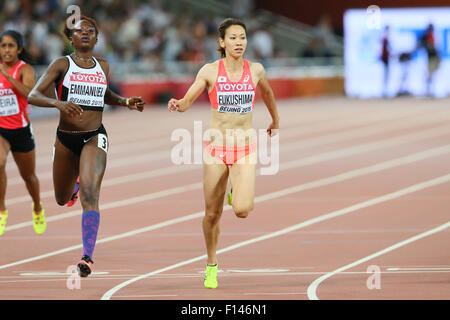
(83, 59)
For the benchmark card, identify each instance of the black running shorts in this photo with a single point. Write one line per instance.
(75, 141)
(21, 140)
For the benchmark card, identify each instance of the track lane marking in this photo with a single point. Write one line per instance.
(312, 288)
(315, 159)
(287, 191)
(309, 222)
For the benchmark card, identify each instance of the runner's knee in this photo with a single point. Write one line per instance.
(242, 210)
(63, 194)
(89, 196)
(241, 214)
(61, 199)
(29, 178)
(212, 216)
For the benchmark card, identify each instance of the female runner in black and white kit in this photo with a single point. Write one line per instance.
(82, 142)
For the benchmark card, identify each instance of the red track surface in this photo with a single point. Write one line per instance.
(335, 153)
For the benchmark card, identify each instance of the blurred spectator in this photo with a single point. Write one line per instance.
(130, 31)
(101, 46)
(385, 57)
(54, 46)
(428, 42)
(324, 29)
(319, 44)
(37, 56)
(262, 43)
(312, 48)
(173, 44)
(404, 60)
(241, 8)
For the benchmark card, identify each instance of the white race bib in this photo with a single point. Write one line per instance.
(87, 89)
(235, 102)
(102, 142)
(8, 105)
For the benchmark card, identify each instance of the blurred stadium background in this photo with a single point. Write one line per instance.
(156, 47)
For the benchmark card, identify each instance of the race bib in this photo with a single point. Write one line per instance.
(235, 102)
(102, 142)
(8, 104)
(87, 89)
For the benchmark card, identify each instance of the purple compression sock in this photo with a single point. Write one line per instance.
(89, 227)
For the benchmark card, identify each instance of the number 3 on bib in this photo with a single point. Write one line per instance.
(102, 142)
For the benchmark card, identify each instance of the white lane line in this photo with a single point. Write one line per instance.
(312, 289)
(116, 204)
(314, 141)
(149, 155)
(273, 293)
(363, 118)
(151, 296)
(332, 155)
(416, 269)
(256, 270)
(56, 274)
(287, 191)
(121, 139)
(331, 121)
(328, 138)
(148, 146)
(117, 180)
(309, 142)
(94, 276)
(333, 214)
(427, 266)
(215, 294)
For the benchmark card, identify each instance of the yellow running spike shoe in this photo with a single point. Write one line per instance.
(210, 280)
(3, 217)
(39, 223)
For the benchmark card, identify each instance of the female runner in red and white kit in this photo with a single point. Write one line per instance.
(81, 140)
(16, 82)
(231, 83)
